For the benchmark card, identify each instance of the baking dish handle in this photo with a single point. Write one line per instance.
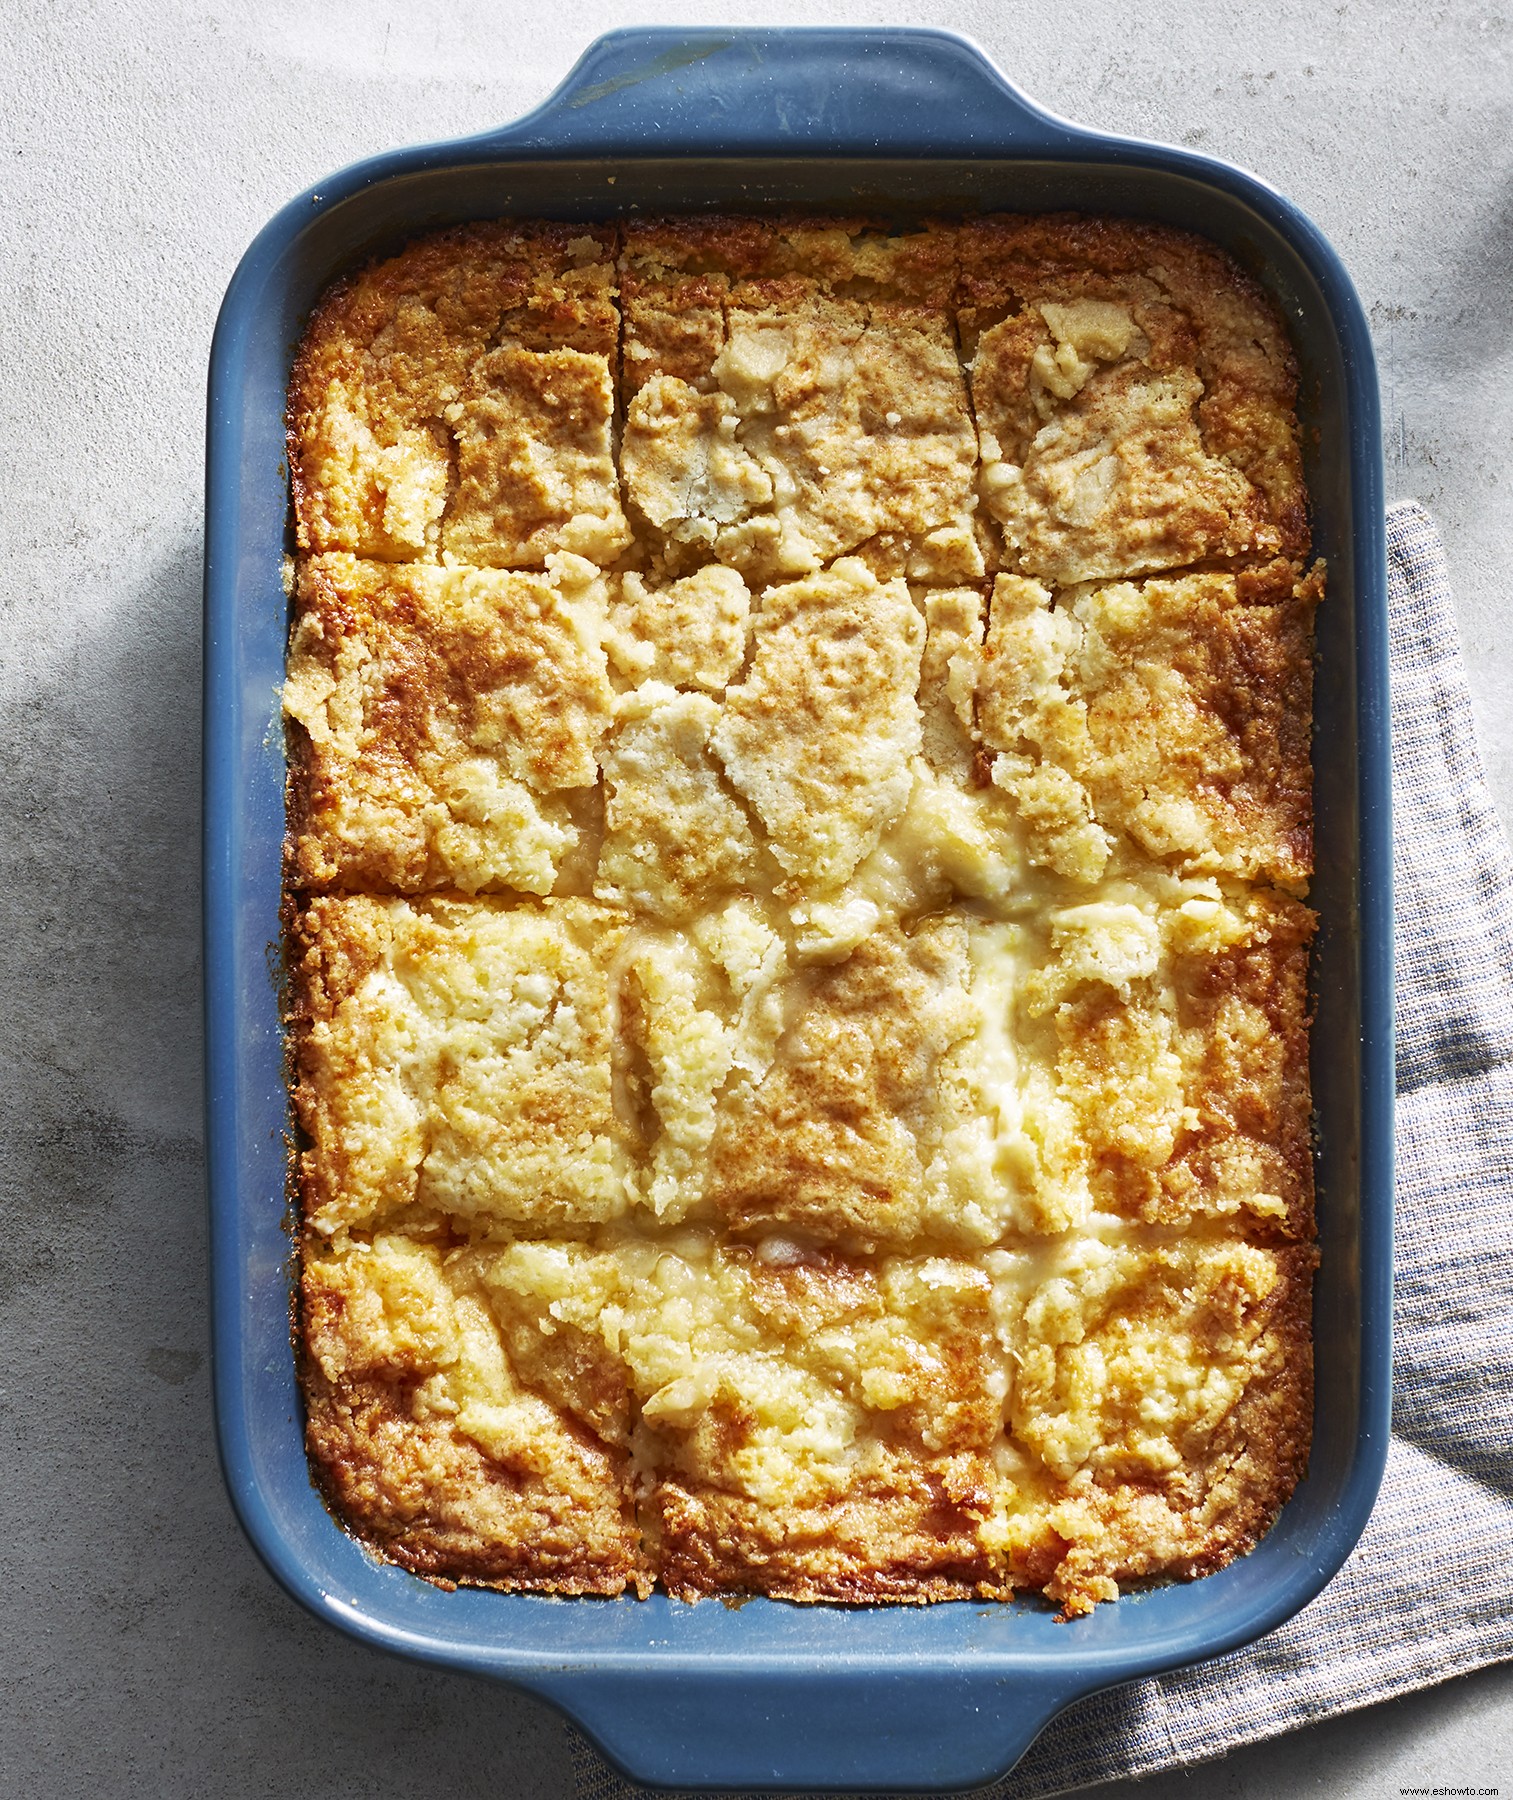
(817, 90)
(891, 1727)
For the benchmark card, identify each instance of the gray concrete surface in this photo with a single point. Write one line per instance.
(145, 1650)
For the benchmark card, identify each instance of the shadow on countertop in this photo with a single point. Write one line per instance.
(148, 1646)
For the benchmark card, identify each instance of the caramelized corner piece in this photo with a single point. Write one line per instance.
(1135, 398)
(1160, 1408)
(427, 1439)
(457, 397)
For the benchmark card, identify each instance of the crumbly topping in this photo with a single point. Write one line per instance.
(691, 633)
(534, 470)
(676, 838)
(393, 348)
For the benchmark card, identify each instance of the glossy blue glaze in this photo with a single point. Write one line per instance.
(771, 1695)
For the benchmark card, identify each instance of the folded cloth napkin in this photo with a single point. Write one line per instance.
(1429, 1591)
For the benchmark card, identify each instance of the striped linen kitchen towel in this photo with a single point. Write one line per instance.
(1428, 1593)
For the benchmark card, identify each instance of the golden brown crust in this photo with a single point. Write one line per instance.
(819, 735)
(799, 779)
(1142, 1056)
(1218, 1504)
(793, 394)
(834, 1142)
(678, 276)
(1185, 1071)
(690, 634)
(1246, 1013)
(455, 1058)
(535, 474)
(828, 1432)
(675, 838)
(914, 1541)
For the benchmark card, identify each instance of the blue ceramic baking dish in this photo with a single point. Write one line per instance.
(772, 1695)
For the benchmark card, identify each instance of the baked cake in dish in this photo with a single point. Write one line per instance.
(799, 828)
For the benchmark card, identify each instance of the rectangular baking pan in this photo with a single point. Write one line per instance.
(896, 122)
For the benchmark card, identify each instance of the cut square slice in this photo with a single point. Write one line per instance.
(834, 1142)
(795, 395)
(535, 465)
(1174, 714)
(394, 349)
(819, 735)
(1159, 1404)
(448, 721)
(676, 839)
(1134, 394)
(1163, 1036)
(454, 1059)
(821, 1427)
(690, 633)
(429, 1441)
